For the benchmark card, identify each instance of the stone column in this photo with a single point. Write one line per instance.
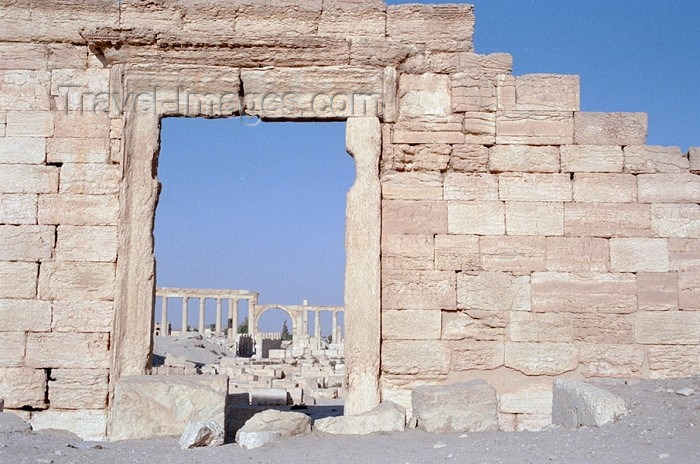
(317, 329)
(304, 322)
(164, 317)
(334, 331)
(218, 315)
(251, 316)
(185, 314)
(233, 317)
(202, 301)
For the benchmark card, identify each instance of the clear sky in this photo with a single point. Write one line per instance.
(262, 208)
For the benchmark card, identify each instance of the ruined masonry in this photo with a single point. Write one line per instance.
(494, 231)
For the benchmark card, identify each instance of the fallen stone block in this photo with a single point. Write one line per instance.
(252, 440)
(387, 417)
(9, 423)
(269, 397)
(284, 423)
(198, 434)
(462, 407)
(578, 404)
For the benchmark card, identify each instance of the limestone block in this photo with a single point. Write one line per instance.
(523, 158)
(669, 188)
(689, 291)
(610, 128)
(607, 220)
(13, 343)
(484, 66)
(684, 254)
(478, 356)
(442, 27)
(638, 255)
(273, 17)
(65, 280)
(569, 254)
(591, 158)
(426, 94)
(676, 220)
(148, 406)
(495, 291)
(514, 254)
(387, 417)
(23, 56)
(457, 253)
(29, 150)
(673, 361)
(253, 440)
(353, 18)
(24, 90)
(479, 128)
(22, 387)
(90, 179)
(11, 423)
(287, 424)
(535, 187)
(18, 209)
(18, 280)
(3, 123)
(411, 325)
(534, 218)
(414, 217)
(78, 388)
(26, 243)
(469, 158)
(62, 21)
(48, 350)
(416, 158)
(658, 291)
(198, 434)
(65, 55)
(79, 210)
(30, 124)
(76, 150)
(528, 399)
(541, 327)
(667, 328)
(407, 251)
(412, 186)
(26, 178)
(604, 328)
(427, 137)
(468, 186)
(375, 51)
(25, 316)
(476, 217)
(403, 289)
(449, 123)
(605, 188)
(87, 243)
(80, 89)
(534, 128)
(473, 92)
(475, 325)
(541, 358)
(547, 92)
(87, 424)
(577, 404)
(75, 316)
(617, 361)
(82, 125)
(462, 407)
(574, 293)
(422, 358)
(647, 159)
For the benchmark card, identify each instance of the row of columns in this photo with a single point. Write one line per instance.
(232, 314)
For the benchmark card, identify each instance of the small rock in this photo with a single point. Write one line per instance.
(9, 423)
(286, 423)
(198, 434)
(577, 404)
(252, 440)
(387, 417)
(664, 456)
(685, 391)
(439, 445)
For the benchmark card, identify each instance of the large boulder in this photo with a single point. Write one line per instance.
(285, 423)
(387, 417)
(576, 404)
(162, 406)
(461, 407)
(252, 440)
(198, 434)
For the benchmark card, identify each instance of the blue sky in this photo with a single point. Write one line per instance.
(262, 208)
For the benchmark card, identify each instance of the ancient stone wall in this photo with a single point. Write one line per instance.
(521, 239)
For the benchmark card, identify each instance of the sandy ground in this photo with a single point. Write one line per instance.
(663, 427)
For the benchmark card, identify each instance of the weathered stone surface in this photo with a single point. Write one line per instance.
(83, 125)
(647, 159)
(287, 424)
(610, 128)
(90, 179)
(577, 404)
(427, 94)
(607, 220)
(12, 348)
(87, 350)
(411, 325)
(22, 150)
(407, 251)
(149, 406)
(79, 210)
(475, 356)
(673, 361)
(523, 158)
(23, 387)
(575, 293)
(26, 243)
(253, 440)
(541, 327)
(515, 254)
(11, 423)
(77, 280)
(88, 424)
(479, 128)
(412, 186)
(441, 27)
(23, 56)
(418, 290)
(535, 187)
(198, 434)
(684, 254)
(387, 417)
(416, 158)
(25, 178)
(570, 254)
(605, 188)
(87, 243)
(591, 158)
(667, 328)
(476, 218)
(25, 316)
(462, 407)
(30, 124)
(474, 325)
(424, 359)
(689, 291)
(658, 291)
(80, 89)
(545, 358)
(669, 188)
(547, 92)
(78, 388)
(473, 92)
(77, 150)
(469, 158)
(676, 220)
(18, 209)
(534, 128)
(467, 187)
(414, 217)
(427, 137)
(495, 291)
(604, 328)
(24, 90)
(638, 255)
(528, 399)
(75, 316)
(353, 18)
(534, 218)
(18, 280)
(619, 361)
(457, 252)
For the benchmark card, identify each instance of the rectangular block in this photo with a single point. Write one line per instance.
(468, 187)
(406, 251)
(72, 150)
(607, 220)
(457, 253)
(530, 399)
(18, 280)
(469, 158)
(87, 243)
(541, 358)
(18, 209)
(476, 218)
(668, 362)
(411, 325)
(684, 254)
(342, 18)
(514, 254)
(26, 243)
(648, 159)
(24, 150)
(88, 424)
(534, 128)
(591, 158)
(676, 220)
(77, 90)
(418, 290)
(658, 291)
(493, 291)
(479, 356)
(616, 361)
(81, 315)
(12, 344)
(414, 217)
(577, 293)
(604, 328)
(427, 137)
(85, 125)
(480, 128)
(534, 218)
(667, 328)
(610, 128)
(25, 178)
(669, 188)
(23, 56)
(23, 388)
(79, 210)
(424, 94)
(30, 124)
(541, 327)
(472, 93)
(22, 90)
(605, 188)
(535, 187)
(547, 92)
(90, 179)
(78, 388)
(412, 186)
(414, 157)
(475, 325)
(569, 254)
(87, 350)
(422, 358)
(25, 316)
(523, 158)
(689, 291)
(66, 280)
(638, 255)
(443, 27)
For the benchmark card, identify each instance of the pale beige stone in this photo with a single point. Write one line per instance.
(468, 187)
(476, 218)
(442, 27)
(534, 218)
(76, 150)
(610, 128)
(676, 220)
(278, 17)
(541, 327)
(422, 358)
(77, 316)
(90, 179)
(407, 251)
(353, 18)
(412, 186)
(576, 293)
(18, 209)
(23, 387)
(474, 325)
(684, 254)
(528, 399)
(77, 280)
(87, 350)
(494, 291)
(457, 252)
(87, 424)
(80, 89)
(541, 358)
(426, 94)
(414, 217)
(468, 356)
(13, 343)
(82, 125)
(604, 328)
(547, 92)
(79, 210)
(26, 178)
(673, 361)
(473, 92)
(25, 315)
(22, 150)
(30, 124)
(387, 417)
(23, 56)
(26, 243)
(427, 137)
(491, 65)
(658, 291)
(479, 128)
(570, 254)
(418, 290)
(607, 220)
(638, 255)
(617, 361)
(648, 159)
(534, 128)
(523, 158)
(65, 55)
(86, 243)
(24, 90)
(411, 325)
(667, 328)
(591, 158)
(514, 254)
(535, 187)
(18, 280)
(469, 158)
(416, 158)
(605, 188)
(669, 188)
(689, 291)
